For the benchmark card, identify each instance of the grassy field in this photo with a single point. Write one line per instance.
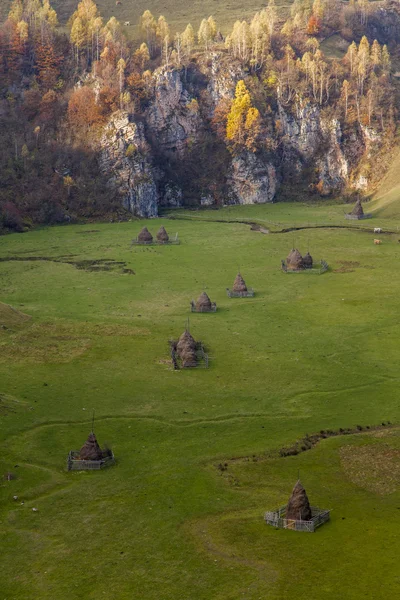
(177, 13)
(307, 353)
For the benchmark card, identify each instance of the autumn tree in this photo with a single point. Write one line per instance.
(148, 26)
(141, 57)
(121, 66)
(243, 121)
(314, 25)
(163, 38)
(271, 14)
(207, 32)
(47, 64)
(345, 96)
(86, 30)
(69, 183)
(386, 61)
(83, 111)
(188, 40)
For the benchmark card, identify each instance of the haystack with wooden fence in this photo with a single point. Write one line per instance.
(296, 263)
(90, 456)
(187, 353)
(145, 238)
(203, 304)
(294, 260)
(162, 235)
(307, 261)
(240, 289)
(297, 514)
(358, 212)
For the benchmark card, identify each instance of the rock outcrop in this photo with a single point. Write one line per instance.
(302, 131)
(252, 180)
(223, 76)
(173, 117)
(171, 157)
(309, 139)
(125, 156)
(332, 166)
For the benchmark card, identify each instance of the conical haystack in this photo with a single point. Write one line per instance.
(294, 260)
(239, 284)
(188, 357)
(307, 261)
(145, 235)
(298, 507)
(91, 449)
(203, 302)
(358, 209)
(162, 235)
(186, 341)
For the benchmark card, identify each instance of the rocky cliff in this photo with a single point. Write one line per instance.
(174, 158)
(173, 117)
(252, 180)
(126, 158)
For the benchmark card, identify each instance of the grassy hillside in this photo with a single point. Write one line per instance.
(307, 353)
(178, 14)
(386, 200)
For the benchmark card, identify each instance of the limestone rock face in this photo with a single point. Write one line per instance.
(125, 157)
(222, 77)
(166, 159)
(252, 180)
(301, 131)
(309, 139)
(172, 196)
(172, 119)
(333, 166)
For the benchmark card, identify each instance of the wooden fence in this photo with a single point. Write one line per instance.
(277, 519)
(75, 464)
(232, 294)
(351, 217)
(315, 269)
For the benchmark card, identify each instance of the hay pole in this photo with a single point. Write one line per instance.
(93, 422)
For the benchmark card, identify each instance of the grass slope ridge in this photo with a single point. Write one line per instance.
(386, 200)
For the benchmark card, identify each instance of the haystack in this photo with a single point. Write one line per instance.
(162, 235)
(145, 235)
(186, 342)
(239, 284)
(91, 449)
(298, 508)
(358, 210)
(294, 260)
(188, 357)
(307, 261)
(203, 302)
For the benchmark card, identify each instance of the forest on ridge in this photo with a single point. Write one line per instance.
(94, 125)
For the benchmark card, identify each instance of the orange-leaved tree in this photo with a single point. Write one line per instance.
(83, 111)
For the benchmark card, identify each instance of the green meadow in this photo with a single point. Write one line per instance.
(88, 330)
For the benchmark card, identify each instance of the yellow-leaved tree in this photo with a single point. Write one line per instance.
(243, 123)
